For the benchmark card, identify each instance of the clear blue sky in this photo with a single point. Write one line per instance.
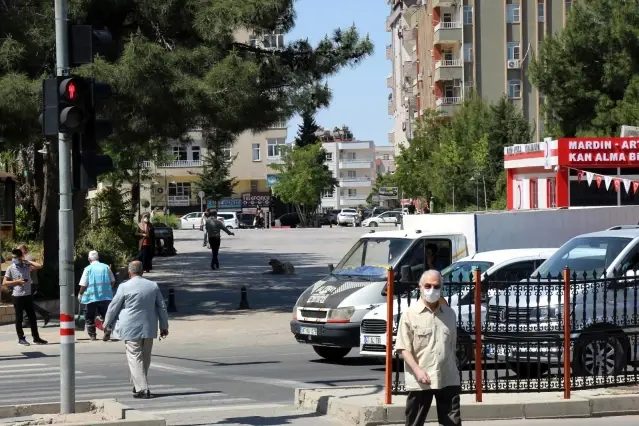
(359, 94)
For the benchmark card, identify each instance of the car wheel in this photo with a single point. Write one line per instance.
(331, 354)
(604, 356)
(373, 224)
(528, 371)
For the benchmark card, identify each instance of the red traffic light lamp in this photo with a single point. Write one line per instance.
(73, 96)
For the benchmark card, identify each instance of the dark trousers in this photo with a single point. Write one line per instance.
(146, 257)
(23, 304)
(92, 310)
(448, 406)
(38, 310)
(214, 243)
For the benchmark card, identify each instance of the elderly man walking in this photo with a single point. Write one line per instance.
(96, 292)
(426, 338)
(138, 304)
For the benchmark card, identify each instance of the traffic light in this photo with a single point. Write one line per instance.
(66, 103)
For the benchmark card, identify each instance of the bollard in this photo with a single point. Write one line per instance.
(171, 306)
(244, 304)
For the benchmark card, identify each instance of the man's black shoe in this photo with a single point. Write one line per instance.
(39, 341)
(47, 318)
(134, 389)
(142, 395)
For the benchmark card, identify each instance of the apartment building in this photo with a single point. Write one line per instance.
(353, 165)
(253, 155)
(384, 159)
(483, 45)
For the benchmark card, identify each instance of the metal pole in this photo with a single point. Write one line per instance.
(65, 223)
(139, 194)
(388, 372)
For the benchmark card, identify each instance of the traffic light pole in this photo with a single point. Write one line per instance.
(65, 221)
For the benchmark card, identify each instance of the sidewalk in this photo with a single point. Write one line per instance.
(363, 406)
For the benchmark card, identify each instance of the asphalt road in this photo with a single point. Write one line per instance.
(218, 366)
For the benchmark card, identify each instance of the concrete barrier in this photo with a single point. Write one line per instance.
(362, 405)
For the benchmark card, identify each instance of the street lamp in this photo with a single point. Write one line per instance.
(476, 180)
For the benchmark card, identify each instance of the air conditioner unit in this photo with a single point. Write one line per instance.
(513, 64)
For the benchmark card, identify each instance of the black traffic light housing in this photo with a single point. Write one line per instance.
(66, 104)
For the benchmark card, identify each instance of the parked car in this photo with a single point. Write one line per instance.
(230, 219)
(163, 240)
(497, 264)
(246, 220)
(191, 220)
(288, 219)
(330, 218)
(348, 217)
(386, 218)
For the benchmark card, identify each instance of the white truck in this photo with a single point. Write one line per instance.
(329, 313)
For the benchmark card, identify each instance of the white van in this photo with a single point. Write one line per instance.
(230, 219)
(500, 265)
(328, 314)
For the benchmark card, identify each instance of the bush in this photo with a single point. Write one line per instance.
(116, 245)
(173, 221)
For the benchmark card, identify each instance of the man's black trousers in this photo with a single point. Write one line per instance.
(448, 406)
(214, 243)
(22, 304)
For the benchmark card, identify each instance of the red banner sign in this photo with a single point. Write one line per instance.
(593, 152)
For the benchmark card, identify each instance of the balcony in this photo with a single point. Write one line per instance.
(392, 19)
(389, 81)
(449, 70)
(355, 182)
(448, 32)
(360, 163)
(346, 201)
(354, 145)
(443, 3)
(180, 164)
(274, 160)
(179, 201)
(389, 52)
(449, 105)
(410, 68)
(391, 107)
(409, 35)
(391, 138)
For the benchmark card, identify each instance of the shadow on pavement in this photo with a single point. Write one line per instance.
(265, 421)
(27, 355)
(164, 395)
(202, 291)
(339, 382)
(351, 361)
(218, 364)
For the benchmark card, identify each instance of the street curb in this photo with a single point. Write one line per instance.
(349, 410)
(123, 415)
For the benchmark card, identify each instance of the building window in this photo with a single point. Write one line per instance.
(449, 91)
(540, 12)
(195, 153)
(350, 156)
(254, 185)
(274, 146)
(255, 150)
(386, 157)
(352, 193)
(351, 174)
(512, 13)
(273, 41)
(551, 193)
(329, 156)
(514, 89)
(180, 189)
(180, 153)
(514, 50)
(468, 15)
(226, 152)
(568, 5)
(447, 18)
(252, 41)
(329, 193)
(468, 52)
(534, 194)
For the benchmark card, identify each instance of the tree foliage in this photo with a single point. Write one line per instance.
(445, 154)
(303, 177)
(307, 131)
(589, 72)
(214, 179)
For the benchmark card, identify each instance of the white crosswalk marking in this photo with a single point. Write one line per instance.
(30, 382)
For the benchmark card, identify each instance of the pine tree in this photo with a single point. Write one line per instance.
(306, 133)
(214, 179)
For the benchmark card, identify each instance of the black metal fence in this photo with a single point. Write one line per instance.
(523, 335)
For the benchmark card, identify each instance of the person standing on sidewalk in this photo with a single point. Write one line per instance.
(213, 228)
(139, 305)
(146, 233)
(18, 276)
(426, 339)
(46, 315)
(203, 228)
(96, 292)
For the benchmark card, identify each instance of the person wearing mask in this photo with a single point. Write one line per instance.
(203, 227)
(426, 339)
(46, 315)
(18, 276)
(96, 292)
(139, 305)
(213, 228)
(147, 242)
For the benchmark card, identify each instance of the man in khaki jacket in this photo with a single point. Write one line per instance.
(426, 339)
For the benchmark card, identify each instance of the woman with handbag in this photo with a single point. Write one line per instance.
(147, 242)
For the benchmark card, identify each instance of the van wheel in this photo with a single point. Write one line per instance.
(373, 224)
(331, 354)
(528, 371)
(604, 356)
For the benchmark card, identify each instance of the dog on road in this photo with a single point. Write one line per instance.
(281, 268)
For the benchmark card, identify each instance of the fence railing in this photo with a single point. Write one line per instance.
(575, 330)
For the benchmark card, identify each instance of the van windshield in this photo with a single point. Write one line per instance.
(371, 257)
(462, 272)
(586, 254)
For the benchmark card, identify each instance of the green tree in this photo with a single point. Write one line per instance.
(449, 174)
(214, 179)
(588, 73)
(302, 178)
(481, 163)
(382, 180)
(307, 131)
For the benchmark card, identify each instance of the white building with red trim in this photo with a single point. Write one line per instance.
(572, 172)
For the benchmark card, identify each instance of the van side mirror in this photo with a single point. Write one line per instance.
(404, 284)
(331, 268)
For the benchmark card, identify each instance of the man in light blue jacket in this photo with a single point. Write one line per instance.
(138, 305)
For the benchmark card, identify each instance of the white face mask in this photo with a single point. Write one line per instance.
(432, 295)
(146, 220)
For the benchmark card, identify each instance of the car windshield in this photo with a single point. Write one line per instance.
(583, 255)
(460, 272)
(371, 257)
